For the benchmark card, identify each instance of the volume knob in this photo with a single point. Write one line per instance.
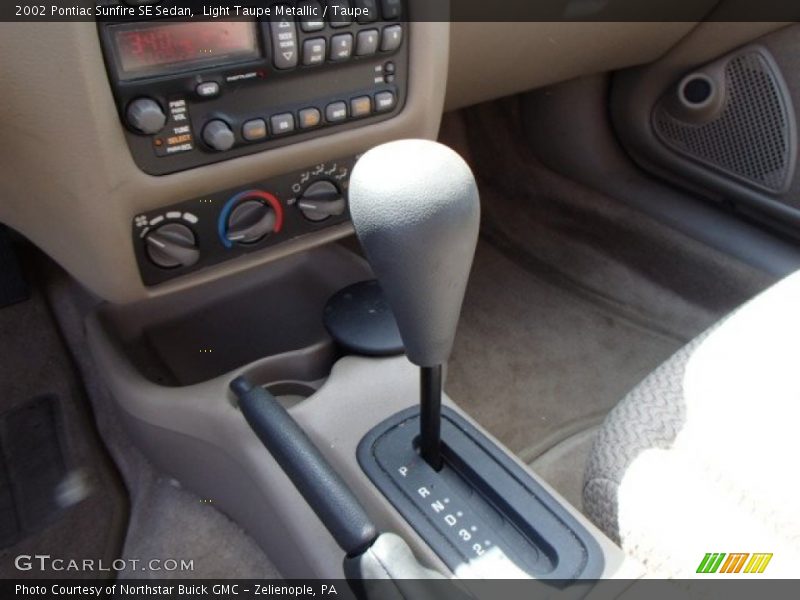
(218, 135)
(146, 116)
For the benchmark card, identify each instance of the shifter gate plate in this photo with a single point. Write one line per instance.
(482, 514)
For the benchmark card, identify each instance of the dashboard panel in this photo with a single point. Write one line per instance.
(201, 232)
(72, 186)
(76, 174)
(194, 93)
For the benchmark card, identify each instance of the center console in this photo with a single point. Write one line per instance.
(168, 363)
(194, 92)
(320, 453)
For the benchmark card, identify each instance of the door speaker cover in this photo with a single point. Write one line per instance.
(752, 137)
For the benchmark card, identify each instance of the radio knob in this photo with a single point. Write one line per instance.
(218, 135)
(146, 116)
(321, 200)
(172, 245)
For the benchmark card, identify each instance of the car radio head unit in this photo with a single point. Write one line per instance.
(195, 92)
(161, 48)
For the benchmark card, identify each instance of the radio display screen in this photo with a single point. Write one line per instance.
(171, 47)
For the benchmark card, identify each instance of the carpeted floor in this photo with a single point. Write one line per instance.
(68, 500)
(573, 299)
(534, 363)
(61, 495)
(166, 521)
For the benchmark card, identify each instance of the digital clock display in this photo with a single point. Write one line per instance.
(164, 48)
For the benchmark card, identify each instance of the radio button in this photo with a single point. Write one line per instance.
(311, 16)
(254, 129)
(391, 9)
(367, 42)
(360, 107)
(207, 89)
(339, 13)
(314, 51)
(384, 101)
(336, 112)
(341, 47)
(282, 123)
(370, 8)
(309, 117)
(284, 43)
(392, 38)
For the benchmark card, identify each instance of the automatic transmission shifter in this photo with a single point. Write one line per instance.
(415, 209)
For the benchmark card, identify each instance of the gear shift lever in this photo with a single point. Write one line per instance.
(415, 208)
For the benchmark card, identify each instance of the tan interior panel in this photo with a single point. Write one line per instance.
(68, 181)
(67, 178)
(491, 60)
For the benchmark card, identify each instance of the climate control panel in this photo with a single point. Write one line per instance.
(208, 230)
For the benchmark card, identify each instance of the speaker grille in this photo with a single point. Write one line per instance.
(752, 136)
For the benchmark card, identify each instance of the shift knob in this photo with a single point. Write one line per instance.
(415, 208)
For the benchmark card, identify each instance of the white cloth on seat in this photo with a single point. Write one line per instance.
(704, 455)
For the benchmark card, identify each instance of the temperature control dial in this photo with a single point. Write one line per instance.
(172, 245)
(249, 217)
(321, 200)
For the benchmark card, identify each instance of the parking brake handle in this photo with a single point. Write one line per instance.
(369, 556)
(312, 475)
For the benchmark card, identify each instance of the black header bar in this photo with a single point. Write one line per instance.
(416, 10)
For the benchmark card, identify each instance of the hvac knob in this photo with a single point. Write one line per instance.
(172, 245)
(218, 135)
(146, 116)
(253, 216)
(321, 200)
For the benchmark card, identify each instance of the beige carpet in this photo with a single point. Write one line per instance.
(533, 363)
(574, 298)
(88, 509)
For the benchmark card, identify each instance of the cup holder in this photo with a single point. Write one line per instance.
(291, 393)
(269, 320)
